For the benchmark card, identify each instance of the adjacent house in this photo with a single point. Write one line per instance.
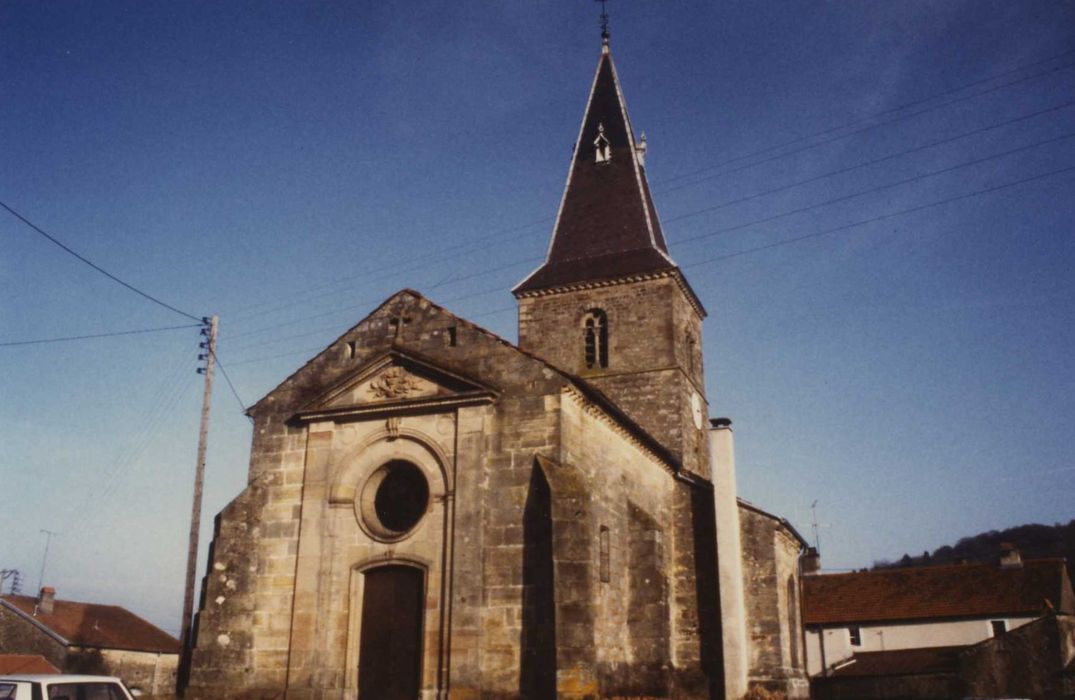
(934, 631)
(89, 638)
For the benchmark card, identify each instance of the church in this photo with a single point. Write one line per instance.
(433, 511)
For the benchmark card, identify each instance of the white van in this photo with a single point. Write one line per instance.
(60, 687)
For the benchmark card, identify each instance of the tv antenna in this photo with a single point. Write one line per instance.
(49, 534)
(817, 540)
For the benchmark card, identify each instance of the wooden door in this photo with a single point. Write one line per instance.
(390, 652)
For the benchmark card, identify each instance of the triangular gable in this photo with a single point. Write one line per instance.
(395, 381)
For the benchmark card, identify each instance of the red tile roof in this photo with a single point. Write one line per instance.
(93, 625)
(607, 227)
(970, 590)
(902, 662)
(25, 663)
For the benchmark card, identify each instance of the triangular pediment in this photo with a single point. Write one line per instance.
(395, 381)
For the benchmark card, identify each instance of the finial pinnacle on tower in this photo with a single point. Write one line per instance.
(604, 23)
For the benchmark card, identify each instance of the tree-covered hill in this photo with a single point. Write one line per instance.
(1033, 541)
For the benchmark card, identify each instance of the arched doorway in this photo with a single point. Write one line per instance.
(390, 651)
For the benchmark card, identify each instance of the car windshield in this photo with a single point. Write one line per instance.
(7, 690)
(85, 691)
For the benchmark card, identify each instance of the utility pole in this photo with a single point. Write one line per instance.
(45, 557)
(209, 330)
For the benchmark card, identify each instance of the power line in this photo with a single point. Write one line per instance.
(851, 133)
(873, 190)
(868, 163)
(498, 234)
(777, 244)
(441, 255)
(863, 130)
(883, 112)
(710, 234)
(875, 219)
(11, 343)
(220, 366)
(164, 400)
(290, 353)
(104, 272)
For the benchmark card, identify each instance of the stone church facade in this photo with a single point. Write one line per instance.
(433, 511)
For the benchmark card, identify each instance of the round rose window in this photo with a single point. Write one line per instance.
(394, 500)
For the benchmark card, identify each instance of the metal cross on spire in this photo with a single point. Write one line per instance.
(604, 21)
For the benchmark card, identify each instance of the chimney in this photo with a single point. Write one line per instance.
(811, 561)
(1010, 557)
(45, 600)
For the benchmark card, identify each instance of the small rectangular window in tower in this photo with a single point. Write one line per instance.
(855, 636)
(604, 563)
(999, 627)
(449, 337)
(352, 349)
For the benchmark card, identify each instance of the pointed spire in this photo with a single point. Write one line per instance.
(607, 227)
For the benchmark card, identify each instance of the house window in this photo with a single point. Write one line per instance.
(999, 627)
(595, 338)
(855, 635)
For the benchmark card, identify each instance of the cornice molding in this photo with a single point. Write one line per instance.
(674, 273)
(422, 404)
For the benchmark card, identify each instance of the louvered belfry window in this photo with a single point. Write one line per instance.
(595, 338)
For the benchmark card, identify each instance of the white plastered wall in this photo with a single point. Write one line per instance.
(894, 636)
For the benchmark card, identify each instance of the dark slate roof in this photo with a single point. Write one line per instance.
(93, 625)
(932, 592)
(607, 227)
(901, 662)
(11, 664)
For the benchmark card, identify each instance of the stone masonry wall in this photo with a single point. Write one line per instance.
(279, 602)
(154, 674)
(654, 354)
(770, 571)
(19, 636)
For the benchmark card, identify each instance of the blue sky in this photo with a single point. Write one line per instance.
(874, 201)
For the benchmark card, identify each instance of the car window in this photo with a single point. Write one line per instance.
(7, 691)
(85, 691)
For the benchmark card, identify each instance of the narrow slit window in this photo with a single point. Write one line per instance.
(604, 564)
(595, 339)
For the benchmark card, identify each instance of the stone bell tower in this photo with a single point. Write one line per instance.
(609, 304)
